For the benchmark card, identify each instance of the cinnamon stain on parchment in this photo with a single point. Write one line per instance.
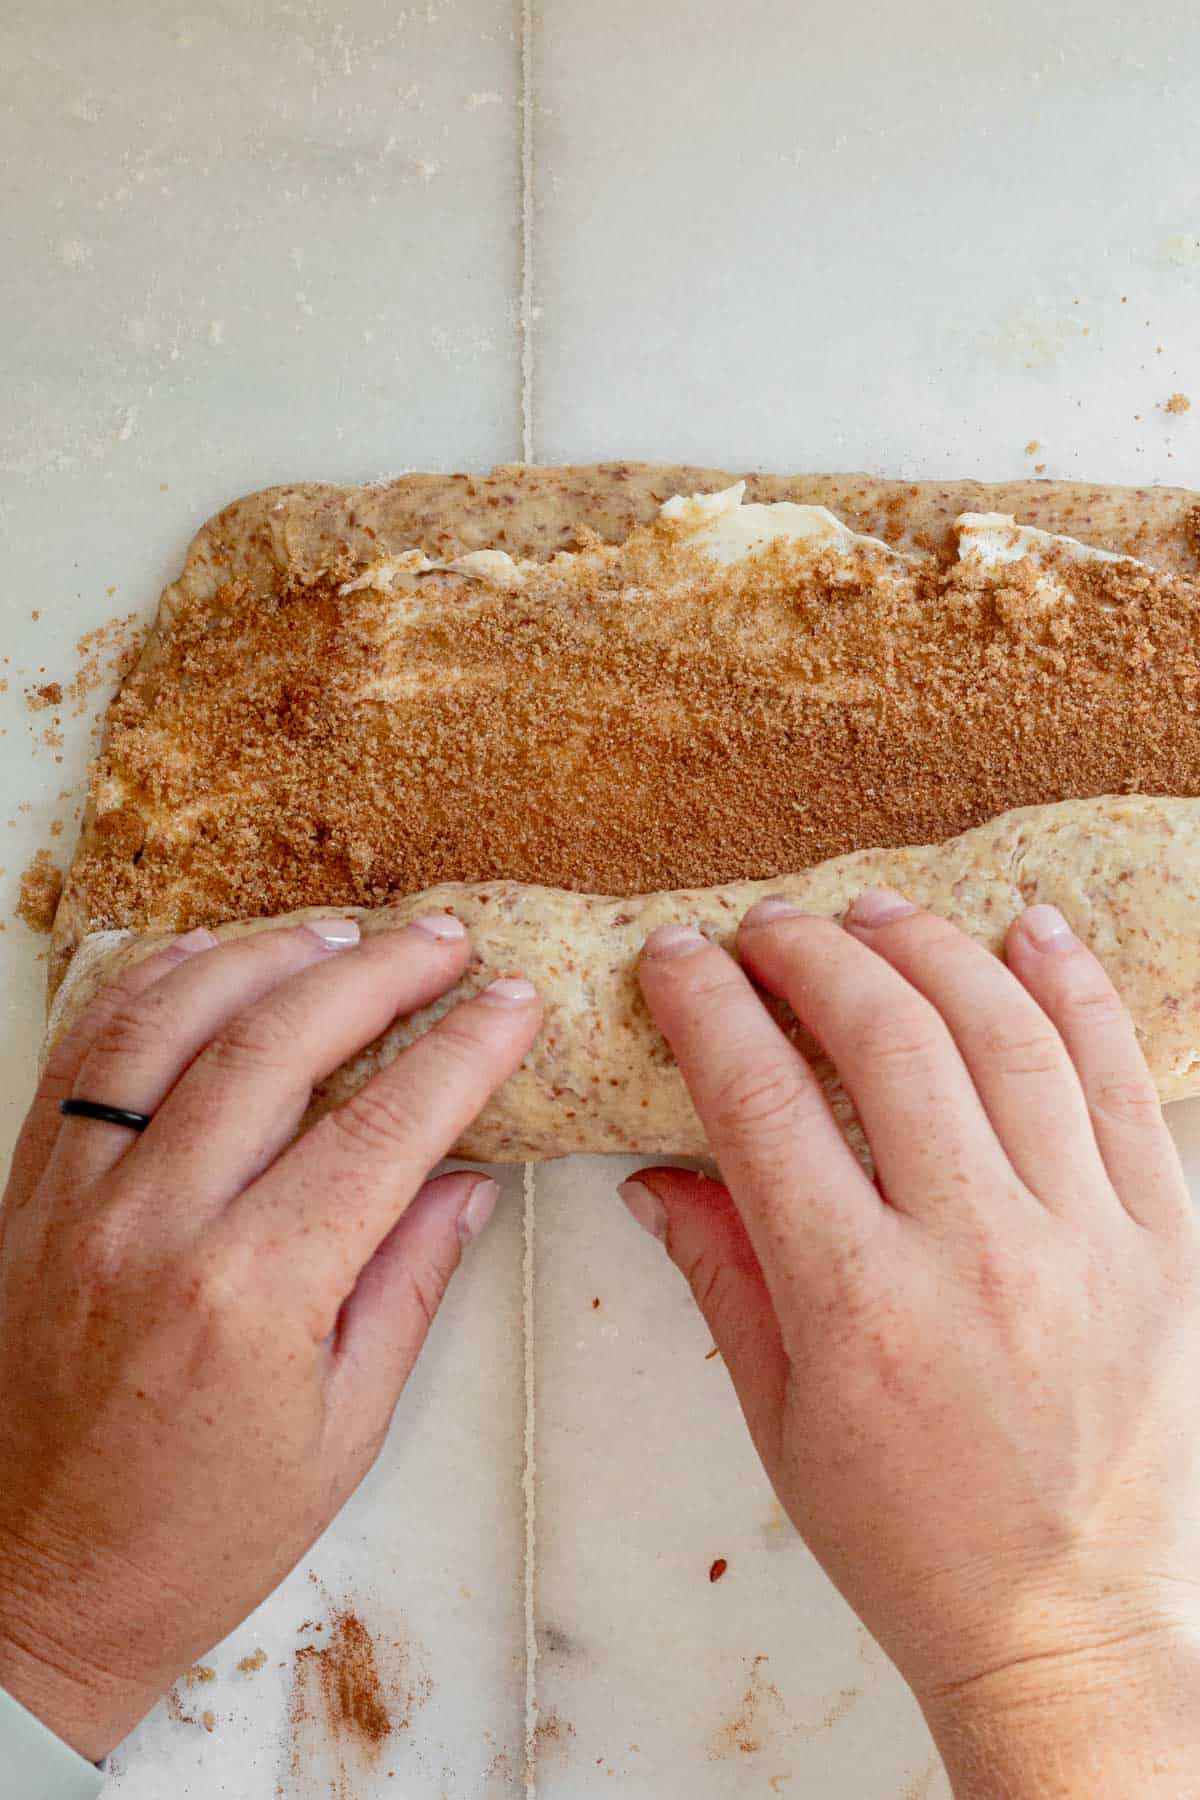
(759, 1710)
(552, 1734)
(352, 1693)
(762, 1721)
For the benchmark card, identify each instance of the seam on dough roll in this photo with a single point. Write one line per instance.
(1125, 870)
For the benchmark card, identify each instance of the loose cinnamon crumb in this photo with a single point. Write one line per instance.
(1178, 403)
(38, 895)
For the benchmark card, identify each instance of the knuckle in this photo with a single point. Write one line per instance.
(714, 1285)
(135, 1027)
(98, 1257)
(58, 1070)
(1017, 1051)
(897, 1035)
(1132, 1100)
(460, 1048)
(702, 978)
(1094, 1006)
(260, 1038)
(212, 1287)
(754, 1101)
(379, 1117)
(422, 1287)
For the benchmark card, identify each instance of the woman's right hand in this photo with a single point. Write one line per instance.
(204, 1329)
(974, 1384)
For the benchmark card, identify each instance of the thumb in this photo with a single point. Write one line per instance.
(384, 1322)
(695, 1217)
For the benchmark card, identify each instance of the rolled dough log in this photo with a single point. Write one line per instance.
(1125, 871)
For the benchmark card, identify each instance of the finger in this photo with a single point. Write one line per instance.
(804, 1197)
(148, 1041)
(239, 1102)
(1072, 988)
(934, 1149)
(1022, 1073)
(322, 1210)
(384, 1322)
(44, 1121)
(706, 1240)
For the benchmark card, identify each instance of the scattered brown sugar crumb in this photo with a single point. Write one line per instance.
(1039, 468)
(709, 1354)
(596, 1304)
(718, 1569)
(199, 1674)
(209, 1720)
(41, 885)
(1178, 403)
(105, 655)
(56, 826)
(48, 694)
(250, 1665)
(343, 1675)
(552, 1733)
(1032, 447)
(35, 614)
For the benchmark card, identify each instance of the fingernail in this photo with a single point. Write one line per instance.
(1047, 929)
(645, 1206)
(191, 941)
(879, 906)
(509, 991)
(481, 1204)
(336, 934)
(673, 940)
(765, 912)
(443, 926)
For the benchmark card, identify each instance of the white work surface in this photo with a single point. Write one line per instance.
(249, 241)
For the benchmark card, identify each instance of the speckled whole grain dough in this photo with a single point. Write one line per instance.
(1126, 872)
(698, 760)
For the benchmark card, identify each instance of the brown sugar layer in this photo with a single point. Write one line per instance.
(634, 719)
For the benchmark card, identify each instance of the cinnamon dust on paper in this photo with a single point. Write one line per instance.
(351, 1694)
(345, 1676)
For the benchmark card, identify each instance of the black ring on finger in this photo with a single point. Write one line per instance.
(109, 1115)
